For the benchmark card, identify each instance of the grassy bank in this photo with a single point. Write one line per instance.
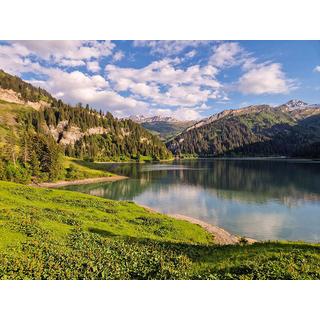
(80, 169)
(55, 234)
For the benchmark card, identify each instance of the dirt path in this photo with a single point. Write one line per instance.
(76, 182)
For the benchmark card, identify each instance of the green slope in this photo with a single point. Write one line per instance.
(253, 131)
(53, 234)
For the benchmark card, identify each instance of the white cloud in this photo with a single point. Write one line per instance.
(166, 84)
(265, 79)
(317, 69)
(163, 86)
(191, 54)
(93, 66)
(119, 55)
(71, 63)
(185, 114)
(225, 54)
(182, 114)
(203, 107)
(169, 47)
(58, 50)
(76, 86)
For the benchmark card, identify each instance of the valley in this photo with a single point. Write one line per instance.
(93, 229)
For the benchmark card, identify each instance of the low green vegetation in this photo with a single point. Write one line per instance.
(76, 169)
(56, 234)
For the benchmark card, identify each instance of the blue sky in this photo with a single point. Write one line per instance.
(184, 79)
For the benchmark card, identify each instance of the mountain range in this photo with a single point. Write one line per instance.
(290, 129)
(164, 127)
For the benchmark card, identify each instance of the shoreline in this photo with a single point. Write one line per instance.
(221, 236)
(77, 182)
(258, 158)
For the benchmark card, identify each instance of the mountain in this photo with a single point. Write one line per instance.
(143, 119)
(291, 129)
(165, 127)
(36, 130)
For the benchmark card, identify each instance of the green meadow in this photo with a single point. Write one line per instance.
(57, 234)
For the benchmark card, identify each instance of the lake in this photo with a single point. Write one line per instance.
(262, 199)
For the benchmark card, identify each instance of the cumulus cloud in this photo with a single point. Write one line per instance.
(265, 79)
(226, 54)
(76, 86)
(180, 113)
(165, 84)
(57, 50)
(71, 63)
(317, 69)
(119, 55)
(191, 54)
(169, 47)
(93, 66)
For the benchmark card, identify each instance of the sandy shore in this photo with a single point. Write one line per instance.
(221, 236)
(76, 182)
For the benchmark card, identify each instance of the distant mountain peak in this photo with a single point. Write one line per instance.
(143, 119)
(295, 104)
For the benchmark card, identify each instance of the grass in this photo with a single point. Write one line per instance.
(55, 234)
(80, 169)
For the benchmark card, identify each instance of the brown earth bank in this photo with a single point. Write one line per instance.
(76, 182)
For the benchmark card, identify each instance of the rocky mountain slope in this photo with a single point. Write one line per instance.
(290, 129)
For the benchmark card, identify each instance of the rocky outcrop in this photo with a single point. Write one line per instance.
(12, 96)
(65, 134)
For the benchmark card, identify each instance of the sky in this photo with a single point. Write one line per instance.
(183, 79)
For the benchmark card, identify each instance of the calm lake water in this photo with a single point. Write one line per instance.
(262, 199)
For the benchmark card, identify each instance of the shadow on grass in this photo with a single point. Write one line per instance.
(93, 165)
(214, 253)
(101, 232)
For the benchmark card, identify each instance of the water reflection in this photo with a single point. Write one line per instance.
(260, 199)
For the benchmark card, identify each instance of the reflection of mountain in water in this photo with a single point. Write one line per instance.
(259, 199)
(244, 180)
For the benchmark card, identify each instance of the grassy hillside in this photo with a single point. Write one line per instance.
(76, 169)
(53, 234)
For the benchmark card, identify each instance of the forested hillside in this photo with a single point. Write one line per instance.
(292, 129)
(25, 91)
(37, 130)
